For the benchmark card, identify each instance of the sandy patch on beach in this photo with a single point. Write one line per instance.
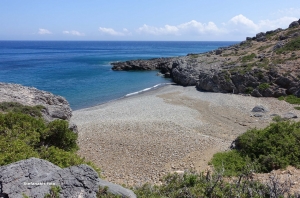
(140, 138)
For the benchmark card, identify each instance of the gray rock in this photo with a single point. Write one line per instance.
(258, 115)
(289, 115)
(34, 178)
(184, 74)
(282, 37)
(57, 107)
(294, 24)
(261, 39)
(218, 52)
(259, 108)
(278, 45)
(73, 127)
(256, 93)
(260, 35)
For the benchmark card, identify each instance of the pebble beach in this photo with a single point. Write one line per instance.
(143, 137)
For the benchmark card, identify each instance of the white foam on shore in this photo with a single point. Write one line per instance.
(148, 89)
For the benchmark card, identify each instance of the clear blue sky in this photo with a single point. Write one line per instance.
(175, 20)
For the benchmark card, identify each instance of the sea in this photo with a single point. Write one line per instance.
(81, 71)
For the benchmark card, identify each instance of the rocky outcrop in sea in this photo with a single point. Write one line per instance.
(35, 177)
(266, 65)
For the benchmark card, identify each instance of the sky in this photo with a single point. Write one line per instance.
(141, 20)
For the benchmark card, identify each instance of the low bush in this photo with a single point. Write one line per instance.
(211, 185)
(273, 147)
(263, 86)
(231, 161)
(292, 99)
(292, 45)
(23, 136)
(248, 57)
(34, 111)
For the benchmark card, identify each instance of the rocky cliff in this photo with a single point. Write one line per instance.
(35, 177)
(56, 107)
(265, 65)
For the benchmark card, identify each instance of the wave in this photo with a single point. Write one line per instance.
(148, 89)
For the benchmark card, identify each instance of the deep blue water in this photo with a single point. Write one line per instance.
(81, 71)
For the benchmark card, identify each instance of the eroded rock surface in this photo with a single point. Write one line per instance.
(34, 177)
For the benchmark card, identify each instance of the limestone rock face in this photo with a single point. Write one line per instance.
(57, 107)
(183, 74)
(34, 178)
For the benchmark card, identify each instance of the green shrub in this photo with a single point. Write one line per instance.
(60, 157)
(15, 150)
(202, 185)
(297, 108)
(34, 111)
(278, 119)
(249, 90)
(276, 146)
(232, 162)
(23, 136)
(248, 57)
(263, 86)
(292, 99)
(59, 135)
(54, 192)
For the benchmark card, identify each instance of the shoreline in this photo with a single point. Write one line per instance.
(143, 137)
(133, 94)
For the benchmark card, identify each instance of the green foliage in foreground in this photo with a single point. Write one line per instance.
(23, 136)
(274, 147)
(192, 185)
(19, 108)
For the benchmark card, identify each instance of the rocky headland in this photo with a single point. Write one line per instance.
(266, 65)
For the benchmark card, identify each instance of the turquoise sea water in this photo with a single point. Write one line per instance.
(81, 71)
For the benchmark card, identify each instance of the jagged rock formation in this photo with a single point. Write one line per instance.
(34, 178)
(56, 107)
(267, 65)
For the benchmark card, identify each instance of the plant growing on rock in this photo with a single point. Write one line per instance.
(263, 86)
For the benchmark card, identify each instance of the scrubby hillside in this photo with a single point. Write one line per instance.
(265, 65)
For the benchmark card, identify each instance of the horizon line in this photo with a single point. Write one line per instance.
(126, 40)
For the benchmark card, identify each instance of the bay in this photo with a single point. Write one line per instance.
(81, 72)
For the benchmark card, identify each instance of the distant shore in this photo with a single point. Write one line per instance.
(140, 138)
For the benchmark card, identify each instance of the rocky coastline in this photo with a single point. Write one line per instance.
(266, 65)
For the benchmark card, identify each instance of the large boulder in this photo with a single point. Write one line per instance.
(184, 74)
(56, 107)
(294, 24)
(34, 177)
